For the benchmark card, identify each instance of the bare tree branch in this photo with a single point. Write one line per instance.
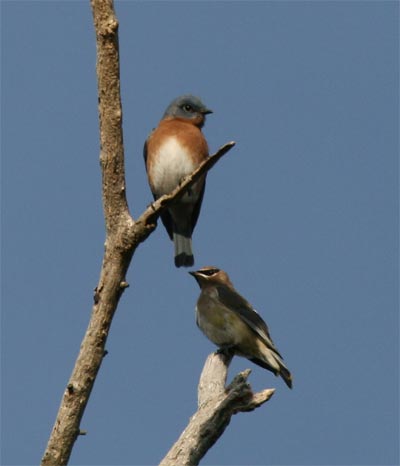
(110, 114)
(123, 235)
(216, 405)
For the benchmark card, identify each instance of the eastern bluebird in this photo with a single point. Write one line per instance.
(172, 151)
(229, 321)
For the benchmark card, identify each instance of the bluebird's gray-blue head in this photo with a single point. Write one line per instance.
(188, 107)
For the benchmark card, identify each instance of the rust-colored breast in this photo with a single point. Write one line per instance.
(174, 149)
(189, 136)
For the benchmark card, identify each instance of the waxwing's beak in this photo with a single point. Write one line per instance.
(197, 277)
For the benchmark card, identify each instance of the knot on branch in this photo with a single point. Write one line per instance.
(241, 395)
(109, 27)
(239, 391)
(143, 227)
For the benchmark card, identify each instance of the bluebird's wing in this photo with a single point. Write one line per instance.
(234, 301)
(197, 207)
(145, 153)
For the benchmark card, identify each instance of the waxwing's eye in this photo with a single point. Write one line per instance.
(209, 272)
(188, 108)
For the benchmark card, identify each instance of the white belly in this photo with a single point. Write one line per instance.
(171, 165)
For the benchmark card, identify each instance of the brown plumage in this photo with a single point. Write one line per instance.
(230, 321)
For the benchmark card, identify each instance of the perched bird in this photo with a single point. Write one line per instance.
(172, 151)
(230, 322)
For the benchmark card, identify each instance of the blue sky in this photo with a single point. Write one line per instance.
(302, 213)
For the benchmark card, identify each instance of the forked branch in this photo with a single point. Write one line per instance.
(216, 405)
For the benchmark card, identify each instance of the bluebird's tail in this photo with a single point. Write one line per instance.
(183, 250)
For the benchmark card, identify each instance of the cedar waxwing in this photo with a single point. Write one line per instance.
(172, 151)
(229, 321)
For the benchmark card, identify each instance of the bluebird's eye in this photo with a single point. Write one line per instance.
(188, 108)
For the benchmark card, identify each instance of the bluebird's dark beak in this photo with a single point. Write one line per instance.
(206, 111)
